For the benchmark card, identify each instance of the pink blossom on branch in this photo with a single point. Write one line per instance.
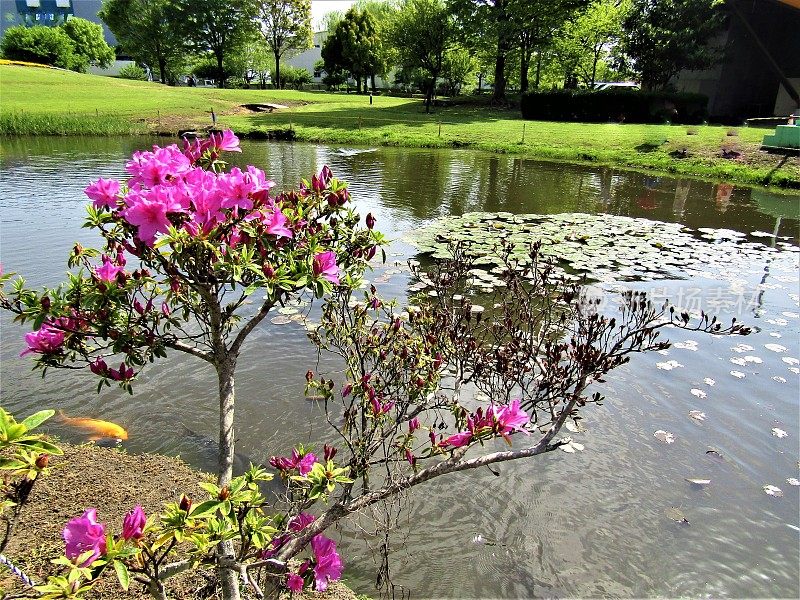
(104, 192)
(329, 565)
(133, 524)
(45, 340)
(83, 534)
(325, 266)
(108, 272)
(294, 583)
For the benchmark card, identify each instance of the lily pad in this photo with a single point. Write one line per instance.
(772, 490)
(676, 514)
(664, 436)
(698, 481)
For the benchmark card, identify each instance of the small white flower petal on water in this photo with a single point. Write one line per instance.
(779, 379)
(742, 348)
(793, 481)
(775, 334)
(697, 415)
(795, 370)
(664, 436)
(697, 392)
(790, 360)
(280, 320)
(791, 315)
(753, 359)
(574, 427)
(779, 433)
(739, 361)
(709, 381)
(668, 365)
(775, 347)
(738, 374)
(698, 481)
(771, 490)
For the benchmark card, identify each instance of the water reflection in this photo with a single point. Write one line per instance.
(589, 524)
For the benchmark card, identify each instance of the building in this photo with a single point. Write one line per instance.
(759, 74)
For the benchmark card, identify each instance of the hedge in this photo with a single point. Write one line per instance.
(618, 105)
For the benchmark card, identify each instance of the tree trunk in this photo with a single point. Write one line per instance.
(220, 71)
(372, 78)
(503, 46)
(277, 79)
(525, 63)
(538, 69)
(229, 579)
(162, 69)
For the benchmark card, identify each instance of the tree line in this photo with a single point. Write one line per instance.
(430, 45)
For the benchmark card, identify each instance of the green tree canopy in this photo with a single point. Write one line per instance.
(664, 37)
(216, 26)
(146, 32)
(286, 27)
(423, 32)
(88, 41)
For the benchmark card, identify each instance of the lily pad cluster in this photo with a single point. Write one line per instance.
(604, 248)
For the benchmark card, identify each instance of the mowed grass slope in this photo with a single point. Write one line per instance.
(48, 101)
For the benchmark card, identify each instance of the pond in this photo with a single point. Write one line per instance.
(594, 523)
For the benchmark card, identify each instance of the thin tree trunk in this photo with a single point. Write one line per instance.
(538, 68)
(372, 77)
(220, 71)
(162, 69)
(277, 79)
(525, 63)
(503, 46)
(229, 580)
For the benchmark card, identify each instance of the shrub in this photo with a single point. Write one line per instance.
(45, 45)
(88, 42)
(133, 72)
(624, 105)
(295, 77)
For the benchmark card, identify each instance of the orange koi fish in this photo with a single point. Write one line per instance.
(99, 429)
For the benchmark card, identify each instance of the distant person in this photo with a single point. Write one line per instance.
(191, 81)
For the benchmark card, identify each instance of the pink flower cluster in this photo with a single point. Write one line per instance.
(303, 463)
(83, 534)
(497, 419)
(48, 339)
(328, 564)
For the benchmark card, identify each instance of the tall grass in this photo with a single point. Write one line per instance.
(26, 123)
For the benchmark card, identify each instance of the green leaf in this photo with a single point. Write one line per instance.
(122, 574)
(38, 418)
(205, 508)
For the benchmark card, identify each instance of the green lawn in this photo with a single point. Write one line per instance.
(49, 101)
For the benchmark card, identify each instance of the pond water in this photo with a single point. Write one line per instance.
(593, 523)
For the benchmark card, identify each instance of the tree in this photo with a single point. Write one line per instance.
(39, 44)
(586, 43)
(664, 37)
(354, 47)
(286, 27)
(252, 60)
(145, 30)
(201, 243)
(216, 26)
(88, 41)
(458, 66)
(423, 32)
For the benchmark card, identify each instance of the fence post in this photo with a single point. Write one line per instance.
(440, 129)
(523, 132)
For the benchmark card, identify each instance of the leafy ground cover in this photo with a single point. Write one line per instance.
(88, 104)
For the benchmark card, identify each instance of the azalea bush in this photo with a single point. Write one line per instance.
(189, 245)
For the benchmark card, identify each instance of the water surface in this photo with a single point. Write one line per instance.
(587, 524)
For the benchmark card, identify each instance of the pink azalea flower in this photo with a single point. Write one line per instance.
(133, 524)
(413, 425)
(510, 417)
(306, 464)
(45, 340)
(412, 460)
(301, 521)
(276, 225)
(104, 192)
(457, 440)
(294, 583)
(325, 265)
(329, 565)
(148, 212)
(226, 141)
(108, 272)
(84, 533)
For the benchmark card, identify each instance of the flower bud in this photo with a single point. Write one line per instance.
(133, 524)
(309, 376)
(370, 221)
(330, 452)
(185, 503)
(224, 493)
(45, 301)
(42, 461)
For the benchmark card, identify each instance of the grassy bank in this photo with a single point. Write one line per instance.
(40, 102)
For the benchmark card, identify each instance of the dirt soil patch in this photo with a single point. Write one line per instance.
(112, 482)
